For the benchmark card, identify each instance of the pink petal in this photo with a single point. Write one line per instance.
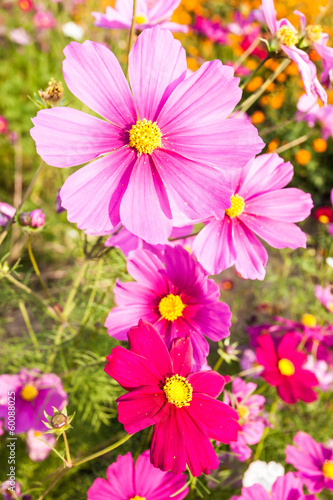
(163, 10)
(287, 346)
(66, 137)
(209, 382)
(287, 487)
(120, 475)
(255, 492)
(154, 76)
(103, 490)
(214, 320)
(181, 354)
(214, 247)
(145, 209)
(141, 408)
(94, 75)
(92, 195)
(121, 319)
(277, 233)
(145, 341)
(145, 267)
(266, 353)
(251, 255)
(269, 14)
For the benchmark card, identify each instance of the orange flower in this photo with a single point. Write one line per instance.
(319, 145)
(303, 156)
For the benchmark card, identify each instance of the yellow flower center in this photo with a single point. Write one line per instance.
(37, 434)
(323, 219)
(328, 469)
(243, 412)
(287, 36)
(237, 206)
(178, 391)
(171, 307)
(29, 393)
(141, 19)
(145, 136)
(286, 367)
(314, 32)
(309, 320)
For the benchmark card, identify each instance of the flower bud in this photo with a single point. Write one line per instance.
(58, 420)
(37, 218)
(24, 219)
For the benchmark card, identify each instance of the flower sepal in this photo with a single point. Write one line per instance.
(59, 422)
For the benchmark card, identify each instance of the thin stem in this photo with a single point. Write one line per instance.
(294, 143)
(74, 289)
(249, 78)
(36, 269)
(27, 322)
(102, 452)
(250, 371)
(245, 54)
(25, 196)
(131, 35)
(68, 455)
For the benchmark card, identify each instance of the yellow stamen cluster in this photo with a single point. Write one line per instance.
(328, 469)
(145, 136)
(313, 32)
(309, 320)
(286, 367)
(37, 434)
(243, 412)
(178, 391)
(29, 393)
(237, 206)
(53, 93)
(287, 36)
(171, 307)
(324, 219)
(137, 498)
(141, 19)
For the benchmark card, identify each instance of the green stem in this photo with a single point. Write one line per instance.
(27, 322)
(294, 143)
(74, 289)
(68, 455)
(131, 35)
(36, 269)
(25, 196)
(249, 78)
(102, 452)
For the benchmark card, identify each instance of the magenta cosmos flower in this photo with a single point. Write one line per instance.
(7, 212)
(283, 368)
(34, 393)
(249, 407)
(288, 37)
(129, 481)
(180, 404)
(148, 14)
(167, 149)
(287, 487)
(313, 461)
(174, 294)
(258, 205)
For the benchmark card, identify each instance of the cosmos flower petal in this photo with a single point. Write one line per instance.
(121, 319)
(266, 353)
(270, 14)
(208, 382)
(214, 246)
(219, 420)
(214, 320)
(154, 76)
(93, 193)
(163, 9)
(279, 234)
(103, 490)
(94, 75)
(202, 194)
(66, 137)
(290, 204)
(181, 355)
(254, 492)
(120, 475)
(145, 209)
(141, 408)
(251, 255)
(145, 267)
(287, 487)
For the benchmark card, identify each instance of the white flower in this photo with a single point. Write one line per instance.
(73, 31)
(263, 473)
(329, 261)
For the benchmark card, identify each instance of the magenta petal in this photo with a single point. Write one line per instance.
(151, 87)
(121, 319)
(279, 234)
(92, 195)
(94, 75)
(255, 492)
(120, 475)
(198, 190)
(218, 419)
(181, 354)
(145, 209)
(214, 320)
(141, 408)
(288, 487)
(214, 247)
(266, 353)
(145, 267)
(145, 340)
(287, 346)
(269, 14)
(168, 441)
(66, 137)
(103, 490)
(251, 255)
(209, 382)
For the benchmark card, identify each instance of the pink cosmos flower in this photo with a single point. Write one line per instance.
(174, 294)
(310, 111)
(248, 361)
(43, 19)
(287, 35)
(212, 30)
(3, 125)
(287, 487)
(325, 296)
(38, 450)
(313, 461)
(284, 369)
(258, 205)
(37, 218)
(126, 480)
(249, 406)
(164, 392)
(34, 393)
(19, 36)
(10, 489)
(169, 148)
(7, 212)
(148, 14)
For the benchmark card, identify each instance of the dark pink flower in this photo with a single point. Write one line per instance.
(7, 212)
(126, 480)
(172, 292)
(43, 19)
(259, 205)
(283, 369)
(313, 461)
(212, 30)
(180, 404)
(37, 218)
(34, 392)
(3, 125)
